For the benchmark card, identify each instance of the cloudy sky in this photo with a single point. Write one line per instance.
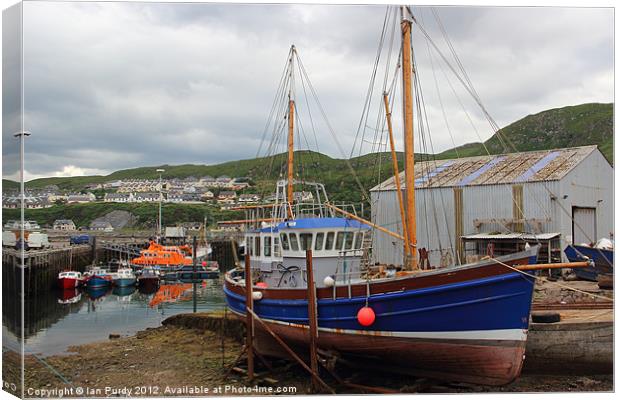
(117, 85)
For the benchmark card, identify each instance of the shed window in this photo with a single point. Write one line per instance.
(294, 242)
(267, 246)
(257, 246)
(318, 244)
(359, 237)
(329, 242)
(306, 241)
(284, 239)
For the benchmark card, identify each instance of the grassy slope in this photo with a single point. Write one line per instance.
(580, 125)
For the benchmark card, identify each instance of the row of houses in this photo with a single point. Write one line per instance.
(224, 197)
(69, 225)
(187, 185)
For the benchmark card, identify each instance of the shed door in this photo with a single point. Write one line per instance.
(584, 225)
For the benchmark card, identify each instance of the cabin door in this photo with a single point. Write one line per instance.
(584, 225)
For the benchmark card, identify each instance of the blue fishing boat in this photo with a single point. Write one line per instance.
(466, 322)
(97, 278)
(603, 261)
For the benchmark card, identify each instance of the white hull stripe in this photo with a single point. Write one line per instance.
(496, 334)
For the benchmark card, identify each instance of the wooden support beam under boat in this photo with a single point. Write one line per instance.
(312, 319)
(249, 321)
(289, 350)
(362, 220)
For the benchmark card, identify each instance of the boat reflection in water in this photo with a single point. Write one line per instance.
(57, 319)
(123, 291)
(69, 296)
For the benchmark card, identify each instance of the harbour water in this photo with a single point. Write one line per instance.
(56, 319)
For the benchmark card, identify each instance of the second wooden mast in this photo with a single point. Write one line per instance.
(291, 137)
(410, 223)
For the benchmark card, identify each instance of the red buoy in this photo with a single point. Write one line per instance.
(262, 285)
(204, 263)
(366, 316)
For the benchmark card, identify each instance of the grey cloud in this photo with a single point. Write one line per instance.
(116, 85)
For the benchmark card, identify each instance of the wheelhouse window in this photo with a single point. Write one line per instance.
(359, 238)
(329, 241)
(318, 243)
(267, 246)
(294, 242)
(276, 247)
(257, 246)
(306, 241)
(348, 241)
(339, 240)
(284, 239)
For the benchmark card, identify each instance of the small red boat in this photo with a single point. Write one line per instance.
(69, 279)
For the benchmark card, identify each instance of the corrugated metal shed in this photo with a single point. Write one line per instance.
(528, 193)
(532, 166)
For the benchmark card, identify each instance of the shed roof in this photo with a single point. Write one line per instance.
(511, 236)
(530, 166)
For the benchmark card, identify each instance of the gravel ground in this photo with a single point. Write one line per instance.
(172, 360)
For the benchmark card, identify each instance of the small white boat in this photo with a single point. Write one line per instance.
(124, 277)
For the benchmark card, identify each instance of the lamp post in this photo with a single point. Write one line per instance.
(22, 136)
(160, 198)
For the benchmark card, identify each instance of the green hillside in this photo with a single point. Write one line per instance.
(571, 126)
(145, 213)
(561, 127)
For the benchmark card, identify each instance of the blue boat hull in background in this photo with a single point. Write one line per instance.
(603, 261)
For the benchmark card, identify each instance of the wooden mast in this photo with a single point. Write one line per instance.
(408, 125)
(401, 205)
(291, 136)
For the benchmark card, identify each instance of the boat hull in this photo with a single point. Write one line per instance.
(123, 282)
(68, 283)
(486, 362)
(98, 282)
(148, 282)
(472, 329)
(603, 261)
